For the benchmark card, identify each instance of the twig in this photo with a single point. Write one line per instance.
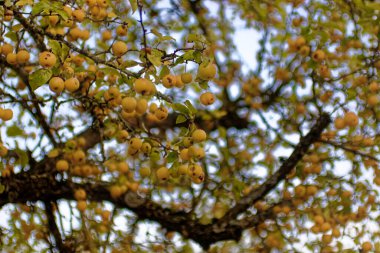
(53, 228)
(336, 145)
(140, 6)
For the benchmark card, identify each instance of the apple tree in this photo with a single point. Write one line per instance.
(138, 126)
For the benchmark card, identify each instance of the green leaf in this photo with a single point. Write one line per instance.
(205, 61)
(133, 4)
(197, 56)
(155, 57)
(56, 70)
(180, 108)
(55, 47)
(2, 188)
(196, 38)
(219, 114)
(189, 55)
(23, 158)
(167, 37)
(179, 61)
(180, 119)
(156, 61)
(14, 130)
(155, 155)
(129, 64)
(99, 95)
(59, 49)
(156, 32)
(11, 35)
(58, 8)
(163, 38)
(24, 2)
(63, 14)
(8, 3)
(174, 169)
(39, 77)
(203, 84)
(164, 71)
(39, 7)
(172, 156)
(17, 27)
(65, 51)
(183, 131)
(109, 70)
(373, 6)
(191, 107)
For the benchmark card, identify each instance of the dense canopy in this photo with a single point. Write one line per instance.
(189, 125)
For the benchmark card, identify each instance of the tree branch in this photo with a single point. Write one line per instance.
(53, 228)
(353, 151)
(285, 169)
(29, 186)
(36, 36)
(38, 115)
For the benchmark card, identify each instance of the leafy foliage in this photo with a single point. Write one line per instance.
(138, 126)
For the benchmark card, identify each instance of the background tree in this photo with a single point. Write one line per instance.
(133, 126)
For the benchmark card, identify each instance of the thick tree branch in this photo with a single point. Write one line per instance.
(28, 186)
(36, 36)
(285, 169)
(39, 184)
(92, 137)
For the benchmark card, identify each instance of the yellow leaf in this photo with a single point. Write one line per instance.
(24, 2)
(53, 153)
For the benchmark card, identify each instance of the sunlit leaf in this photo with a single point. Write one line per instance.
(39, 77)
